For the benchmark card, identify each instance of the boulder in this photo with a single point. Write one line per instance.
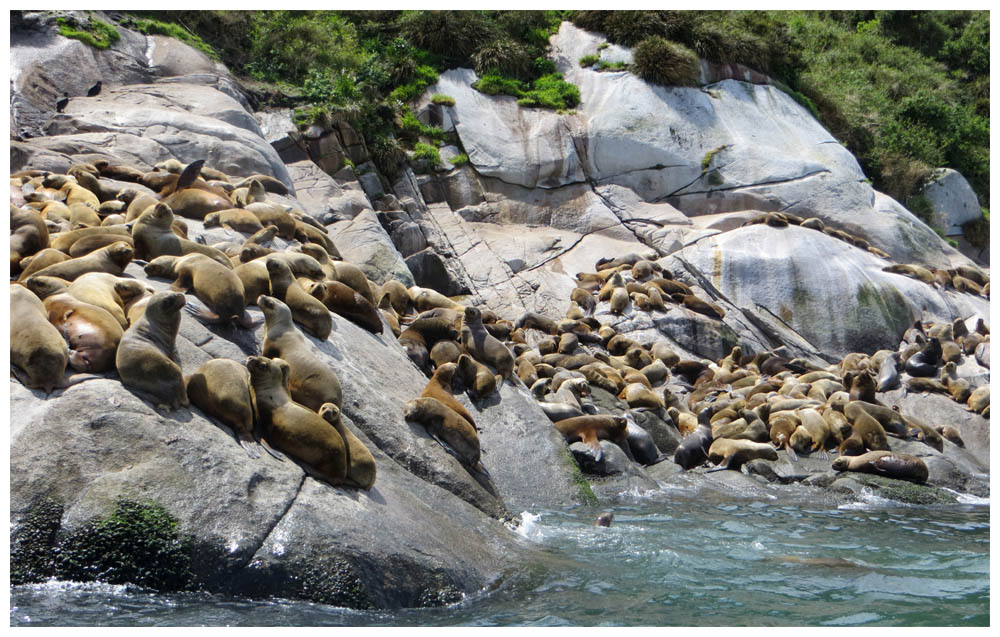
(953, 200)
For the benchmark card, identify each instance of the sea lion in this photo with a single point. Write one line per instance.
(38, 353)
(423, 334)
(590, 429)
(888, 374)
(217, 286)
(107, 291)
(693, 450)
(450, 430)
(291, 427)
(638, 395)
(28, 235)
(398, 296)
(485, 348)
(439, 387)
(236, 219)
(885, 463)
(445, 351)
(196, 202)
(389, 315)
(41, 259)
(868, 434)
(979, 399)
(890, 419)
(951, 434)
(92, 332)
(360, 462)
(307, 311)
(346, 302)
(111, 259)
(604, 519)
(88, 244)
(154, 237)
(641, 443)
(146, 358)
(478, 378)
(813, 434)
(924, 363)
(619, 300)
(732, 454)
(311, 383)
(427, 299)
(862, 387)
(221, 388)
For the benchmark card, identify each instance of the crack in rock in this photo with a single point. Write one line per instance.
(281, 517)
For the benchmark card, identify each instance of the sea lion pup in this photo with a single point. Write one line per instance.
(38, 353)
(924, 363)
(813, 434)
(584, 299)
(221, 389)
(525, 371)
(485, 348)
(111, 259)
(732, 454)
(236, 219)
(310, 382)
(439, 387)
(360, 462)
(450, 430)
(604, 519)
(421, 335)
(346, 302)
(398, 296)
(591, 429)
(782, 426)
(217, 286)
(534, 320)
(862, 387)
(306, 310)
(92, 332)
(478, 378)
(619, 300)
(154, 237)
(290, 426)
(638, 395)
(889, 464)
(146, 358)
(693, 450)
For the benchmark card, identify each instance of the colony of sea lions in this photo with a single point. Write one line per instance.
(73, 235)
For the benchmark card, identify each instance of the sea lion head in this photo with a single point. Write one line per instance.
(256, 192)
(161, 215)
(275, 311)
(277, 267)
(445, 373)
(129, 289)
(162, 266)
(165, 304)
(45, 286)
(330, 413)
(120, 253)
(212, 220)
(473, 315)
(127, 195)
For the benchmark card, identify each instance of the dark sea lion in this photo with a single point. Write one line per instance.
(534, 320)
(888, 374)
(439, 387)
(293, 428)
(423, 334)
(28, 235)
(146, 358)
(885, 463)
(221, 388)
(360, 462)
(310, 382)
(591, 429)
(641, 443)
(693, 450)
(604, 519)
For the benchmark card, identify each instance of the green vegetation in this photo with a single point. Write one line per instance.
(667, 63)
(977, 231)
(589, 60)
(158, 27)
(706, 161)
(460, 160)
(138, 543)
(442, 100)
(95, 33)
(428, 153)
(612, 66)
(548, 91)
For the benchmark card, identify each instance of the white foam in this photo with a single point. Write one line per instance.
(968, 498)
(528, 528)
(868, 500)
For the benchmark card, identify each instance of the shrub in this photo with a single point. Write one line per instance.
(169, 29)
(460, 160)
(453, 35)
(442, 100)
(423, 77)
(387, 154)
(977, 231)
(551, 91)
(95, 33)
(631, 27)
(427, 152)
(493, 84)
(413, 127)
(667, 63)
(589, 60)
(504, 57)
(612, 66)
(288, 45)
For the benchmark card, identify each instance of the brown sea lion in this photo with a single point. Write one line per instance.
(439, 387)
(38, 352)
(478, 378)
(360, 462)
(733, 454)
(154, 237)
(217, 286)
(307, 311)
(28, 235)
(485, 348)
(234, 219)
(346, 302)
(450, 430)
(41, 259)
(146, 358)
(591, 429)
(107, 291)
(293, 428)
(311, 382)
(111, 259)
(221, 388)
(885, 463)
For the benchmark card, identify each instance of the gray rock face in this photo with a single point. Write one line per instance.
(953, 199)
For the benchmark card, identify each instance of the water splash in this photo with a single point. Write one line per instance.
(529, 528)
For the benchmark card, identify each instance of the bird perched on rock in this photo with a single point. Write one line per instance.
(95, 89)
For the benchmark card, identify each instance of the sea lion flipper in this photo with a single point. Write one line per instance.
(794, 457)
(249, 445)
(277, 455)
(246, 321)
(822, 455)
(202, 314)
(190, 173)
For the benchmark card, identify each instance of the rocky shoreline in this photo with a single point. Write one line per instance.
(543, 198)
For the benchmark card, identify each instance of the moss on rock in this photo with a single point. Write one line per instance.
(586, 493)
(32, 541)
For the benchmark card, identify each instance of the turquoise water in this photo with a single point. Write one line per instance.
(666, 560)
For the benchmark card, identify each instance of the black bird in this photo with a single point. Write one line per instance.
(95, 89)
(61, 104)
